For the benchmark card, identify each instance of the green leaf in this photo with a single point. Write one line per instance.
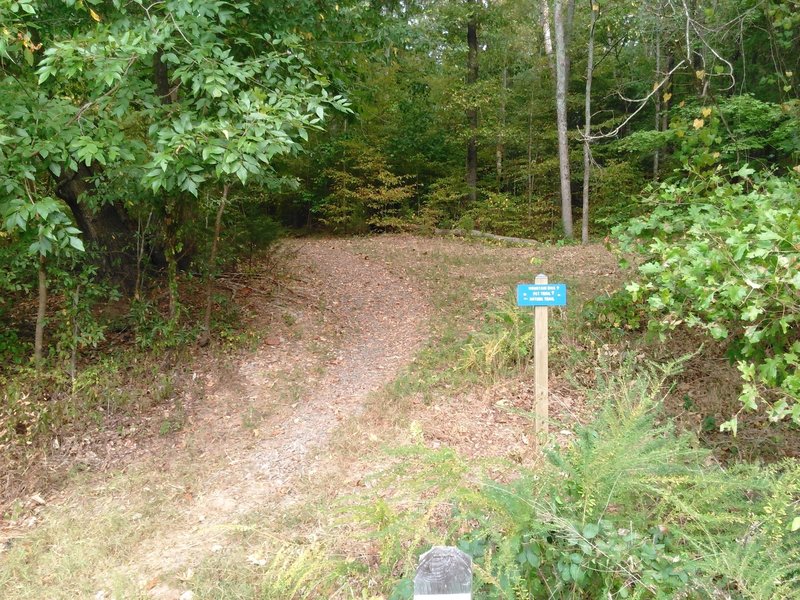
(732, 425)
(718, 332)
(590, 530)
(751, 312)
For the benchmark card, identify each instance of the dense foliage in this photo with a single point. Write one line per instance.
(140, 145)
(629, 509)
(723, 254)
(147, 149)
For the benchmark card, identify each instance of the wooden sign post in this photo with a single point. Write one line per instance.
(541, 295)
(444, 573)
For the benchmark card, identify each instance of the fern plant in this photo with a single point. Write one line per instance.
(630, 509)
(504, 343)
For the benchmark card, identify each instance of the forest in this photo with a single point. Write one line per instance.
(257, 260)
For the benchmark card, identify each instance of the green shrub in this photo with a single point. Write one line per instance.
(723, 254)
(739, 128)
(505, 214)
(629, 509)
(504, 343)
(364, 193)
(615, 311)
(444, 202)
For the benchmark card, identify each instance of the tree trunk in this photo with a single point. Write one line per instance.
(561, 117)
(500, 151)
(170, 254)
(73, 362)
(568, 36)
(41, 313)
(548, 40)
(667, 89)
(107, 227)
(161, 82)
(161, 79)
(141, 232)
(530, 156)
(657, 154)
(212, 266)
(587, 128)
(472, 112)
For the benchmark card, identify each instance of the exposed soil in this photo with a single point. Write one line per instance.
(370, 323)
(352, 317)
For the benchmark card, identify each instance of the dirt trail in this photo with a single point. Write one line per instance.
(379, 317)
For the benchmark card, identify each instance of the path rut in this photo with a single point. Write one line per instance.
(381, 316)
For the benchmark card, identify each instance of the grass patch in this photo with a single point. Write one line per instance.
(629, 509)
(76, 550)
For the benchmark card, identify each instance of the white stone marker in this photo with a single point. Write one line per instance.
(444, 573)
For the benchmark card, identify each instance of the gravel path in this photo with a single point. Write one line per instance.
(379, 321)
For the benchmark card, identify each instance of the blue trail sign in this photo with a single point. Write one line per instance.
(546, 294)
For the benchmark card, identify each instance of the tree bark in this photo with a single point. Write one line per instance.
(587, 127)
(657, 154)
(212, 266)
(170, 254)
(73, 362)
(107, 227)
(667, 89)
(548, 40)
(561, 117)
(41, 313)
(161, 82)
(161, 79)
(500, 151)
(568, 35)
(472, 112)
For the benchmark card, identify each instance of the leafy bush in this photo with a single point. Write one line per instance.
(504, 214)
(615, 311)
(364, 193)
(444, 202)
(504, 343)
(152, 330)
(612, 186)
(628, 509)
(739, 128)
(724, 255)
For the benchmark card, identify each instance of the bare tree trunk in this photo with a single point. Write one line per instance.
(561, 117)
(41, 313)
(161, 81)
(472, 112)
(212, 266)
(530, 156)
(548, 40)
(667, 95)
(73, 362)
(657, 155)
(500, 151)
(140, 244)
(170, 251)
(587, 128)
(568, 35)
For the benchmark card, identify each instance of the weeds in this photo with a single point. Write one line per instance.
(504, 344)
(629, 509)
(290, 572)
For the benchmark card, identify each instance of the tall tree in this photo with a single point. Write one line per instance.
(559, 21)
(500, 148)
(472, 110)
(587, 127)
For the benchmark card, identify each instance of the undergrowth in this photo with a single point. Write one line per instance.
(630, 509)
(504, 343)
